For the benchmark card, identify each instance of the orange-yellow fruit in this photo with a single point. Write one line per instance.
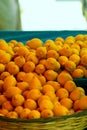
(76, 46)
(62, 60)
(70, 66)
(12, 114)
(35, 83)
(59, 43)
(80, 43)
(67, 102)
(1, 114)
(50, 45)
(83, 103)
(28, 66)
(53, 53)
(9, 64)
(62, 93)
(23, 85)
(4, 57)
(83, 51)
(11, 91)
(15, 49)
(42, 97)
(41, 52)
(7, 105)
(28, 77)
(40, 69)
(2, 67)
(24, 114)
(17, 100)
(18, 109)
(85, 36)
(59, 47)
(81, 67)
(30, 104)
(25, 93)
(9, 81)
(76, 105)
(56, 103)
(31, 57)
(75, 51)
(47, 113)
(22, 51)
(19, 60)
(59, 39)
(58, 67)
(54, 84)
(60, 110)
(70, 85)
(69, 41)
(42, 79)
(34, 114)
(75, 94)
(3, 111)
(1, 86)
(63, 77)
(12, 43)
(12, 68)
(3, 45)
(51, 63)
(32, 51)
(79, 37)
(20, 76)
(78, 73)
(84, 45)
(47, 88)
(42, 61)
(2, 99)
(34, 43)
(4, 75)
(51, 95)
(75, 58)
(46, 104)
(65, 50)
(71, 111)
(50, 75)
(81, 89)
(70, 37)
(84, 60)
(34, 94)
(20, 44)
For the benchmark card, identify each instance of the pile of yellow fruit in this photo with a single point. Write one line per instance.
(36, 78)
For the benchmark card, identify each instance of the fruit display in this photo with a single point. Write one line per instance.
(36, 78)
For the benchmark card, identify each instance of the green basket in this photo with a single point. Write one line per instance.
(76, 121)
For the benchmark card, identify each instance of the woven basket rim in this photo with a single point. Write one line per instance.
(44, 120)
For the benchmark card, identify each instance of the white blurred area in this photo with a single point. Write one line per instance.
(52, 15)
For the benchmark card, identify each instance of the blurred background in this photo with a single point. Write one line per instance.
(38, 15)
(52, 15)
